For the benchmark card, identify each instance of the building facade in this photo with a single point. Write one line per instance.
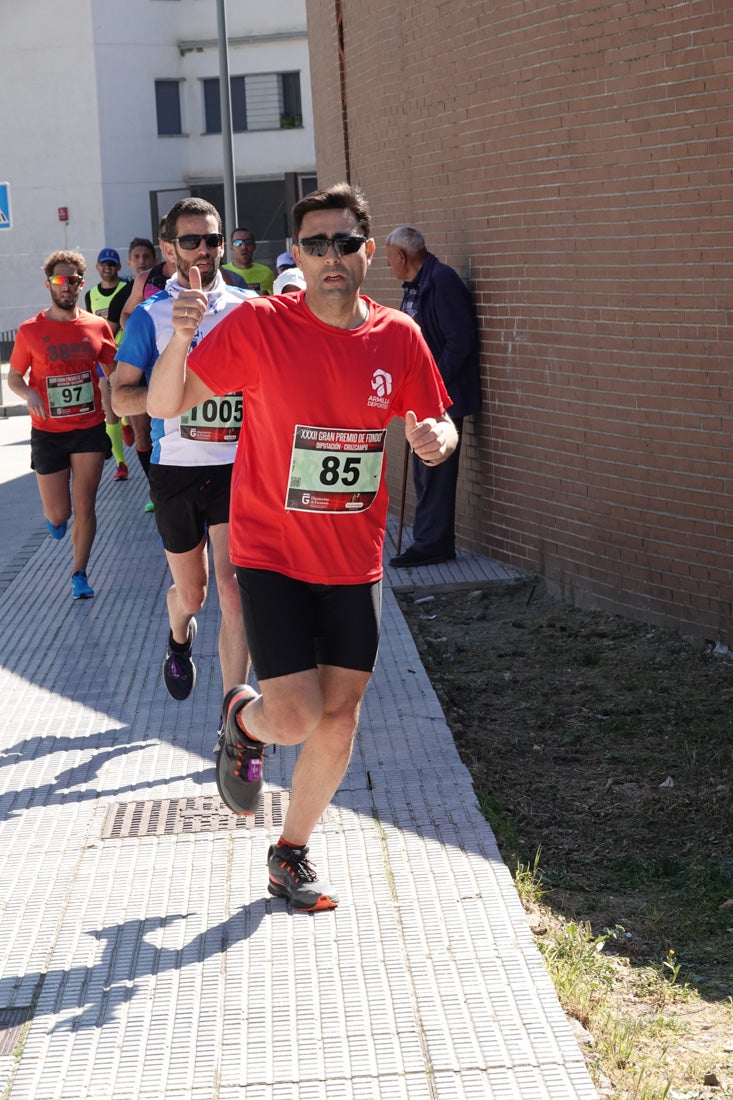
(573, 162)
(111, 113)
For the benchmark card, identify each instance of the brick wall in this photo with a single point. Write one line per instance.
(573, 160)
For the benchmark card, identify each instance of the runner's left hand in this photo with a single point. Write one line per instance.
(189, 307)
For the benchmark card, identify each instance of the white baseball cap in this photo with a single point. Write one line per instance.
(292, 277)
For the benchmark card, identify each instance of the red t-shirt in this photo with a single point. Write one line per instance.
(62, 357)
(309, 497)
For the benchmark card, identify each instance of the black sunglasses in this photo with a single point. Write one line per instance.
(190, 241)
(342, 246)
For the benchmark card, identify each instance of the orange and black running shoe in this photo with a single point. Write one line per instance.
(294, 878)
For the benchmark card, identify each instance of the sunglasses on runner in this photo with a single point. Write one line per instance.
(342, 246)
(190, 241)
(62, 280)
(241, 241)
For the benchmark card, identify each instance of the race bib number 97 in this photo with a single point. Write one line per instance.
(70, 394)
(334, 469)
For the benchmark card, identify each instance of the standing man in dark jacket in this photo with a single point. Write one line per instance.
(435, 296)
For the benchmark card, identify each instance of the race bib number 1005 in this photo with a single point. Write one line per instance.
(334, 469)
(217, 420)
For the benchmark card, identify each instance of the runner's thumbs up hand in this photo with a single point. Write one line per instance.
(189, 306)
(410, 425)
(424, 439)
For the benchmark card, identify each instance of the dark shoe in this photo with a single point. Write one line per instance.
(292, 877)
(411, 556)
(239, 757)
(230, 695)
(179, 671)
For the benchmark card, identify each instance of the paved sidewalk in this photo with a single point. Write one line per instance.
(10, 405)
(140, 953)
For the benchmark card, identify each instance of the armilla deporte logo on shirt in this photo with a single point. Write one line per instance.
(382, 386)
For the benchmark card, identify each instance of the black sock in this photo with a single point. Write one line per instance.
(176, 646)
(143, 458)
(283, 843)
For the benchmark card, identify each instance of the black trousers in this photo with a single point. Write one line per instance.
(435, 509)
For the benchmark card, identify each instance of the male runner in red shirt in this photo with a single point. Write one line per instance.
(59, 350)
(323, 372)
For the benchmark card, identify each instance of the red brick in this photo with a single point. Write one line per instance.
(576, 159)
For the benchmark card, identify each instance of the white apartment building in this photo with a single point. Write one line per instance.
(110, 112)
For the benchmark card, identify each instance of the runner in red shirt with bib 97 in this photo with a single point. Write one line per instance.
(59, 350)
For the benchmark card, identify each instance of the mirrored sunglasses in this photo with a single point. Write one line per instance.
(62, 280)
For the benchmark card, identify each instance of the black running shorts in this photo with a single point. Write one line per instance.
(188, 500)
(293, 625)
(51, 451)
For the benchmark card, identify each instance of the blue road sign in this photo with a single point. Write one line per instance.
(6, 217)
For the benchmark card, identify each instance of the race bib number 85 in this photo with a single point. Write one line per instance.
(334, 469)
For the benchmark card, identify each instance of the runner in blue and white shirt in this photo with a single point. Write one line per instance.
(191, 463)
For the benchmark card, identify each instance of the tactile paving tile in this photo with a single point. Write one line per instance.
(160, 965)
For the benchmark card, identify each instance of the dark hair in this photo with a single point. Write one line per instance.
(141, 242)
(184, 208)
(242, 229)
(342, 196)
(64, 256)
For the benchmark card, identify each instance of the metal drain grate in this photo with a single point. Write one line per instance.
(12, 1022)
(172, 816)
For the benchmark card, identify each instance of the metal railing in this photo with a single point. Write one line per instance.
(7, 339)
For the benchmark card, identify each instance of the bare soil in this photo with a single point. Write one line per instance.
(606, 746)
